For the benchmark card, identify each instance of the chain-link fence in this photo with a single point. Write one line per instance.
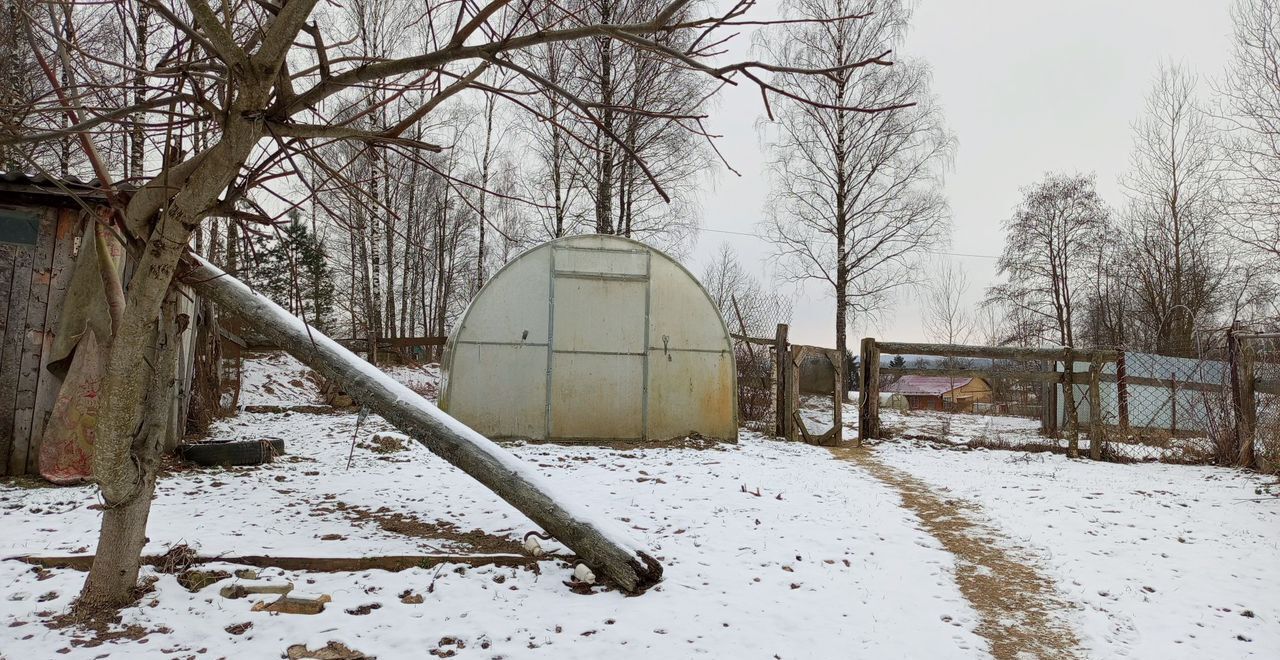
(1173, 408)
(1215, 400)
(1265, 354)
(757, 386)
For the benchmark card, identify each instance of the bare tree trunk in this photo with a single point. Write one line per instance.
(604, 190)
(486, 165)
(113, 576)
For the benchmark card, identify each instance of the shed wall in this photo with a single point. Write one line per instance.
(33, 281)
(35, 272)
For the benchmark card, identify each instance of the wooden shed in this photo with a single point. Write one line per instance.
(43, 230)
(941, 392)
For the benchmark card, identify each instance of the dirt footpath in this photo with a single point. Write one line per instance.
(1017, 606)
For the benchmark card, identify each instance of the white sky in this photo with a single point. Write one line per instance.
(1028, 86)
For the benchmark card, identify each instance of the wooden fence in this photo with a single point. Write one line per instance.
(231, 332)
(787, 361)
(1236, 383)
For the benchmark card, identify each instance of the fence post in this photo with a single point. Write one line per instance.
(1122, 390)
(780, 360)
(1173, 404)
(837, 418)
(1049, 409)
(1095, 408)
(1069, 404)
(1242, 400)
(1248, 413)
(869, 391)
(795, 355)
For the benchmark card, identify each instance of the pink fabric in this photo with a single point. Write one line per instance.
(66, 450)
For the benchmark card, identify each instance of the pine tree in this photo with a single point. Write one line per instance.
(294, 272)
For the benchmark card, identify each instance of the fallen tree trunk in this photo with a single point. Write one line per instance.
(607, 550)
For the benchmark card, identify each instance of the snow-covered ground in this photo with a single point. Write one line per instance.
(770, 549)
(277, 379)
(1165, 561)
(819, 563)
(1005, 432)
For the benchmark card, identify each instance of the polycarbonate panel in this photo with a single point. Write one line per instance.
(497, 362)
(610, 262)
(597, 397)
(605, 316)
(691, 392)
(514, 303)
(500, 391)
(682, 313)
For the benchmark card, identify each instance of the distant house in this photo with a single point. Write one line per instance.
(955, 394)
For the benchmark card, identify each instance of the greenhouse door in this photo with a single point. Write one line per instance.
(599, 320)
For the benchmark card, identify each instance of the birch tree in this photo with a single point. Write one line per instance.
(1251, 94)
(855, 196)
(946, 316)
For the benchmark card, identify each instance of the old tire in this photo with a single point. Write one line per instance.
(232, 452)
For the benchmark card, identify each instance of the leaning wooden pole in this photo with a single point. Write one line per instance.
(607, 550)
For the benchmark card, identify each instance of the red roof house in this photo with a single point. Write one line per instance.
(953, 393)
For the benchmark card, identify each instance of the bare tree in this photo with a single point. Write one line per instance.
(746, 306)
(946, 317)
(553, 181)
(1175, 261)
(1049, 245)
(1251, 92)
(855, 195)
(241, 101)
(1108, 303)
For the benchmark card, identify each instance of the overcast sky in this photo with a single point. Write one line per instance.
(1027, 86)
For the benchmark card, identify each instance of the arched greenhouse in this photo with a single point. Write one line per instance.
(592, 338)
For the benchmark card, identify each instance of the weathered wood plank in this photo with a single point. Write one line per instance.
(795, 357)
(1039, 376)
(181, 400)
(70, 227)
(782, 422)
(392, 563)
(759, 341)
(1079, 377)
(837, 422)
(25, 446)
(992, 352)
(8, 256)
(1266, 385)
(869, 372)
(11, 360)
